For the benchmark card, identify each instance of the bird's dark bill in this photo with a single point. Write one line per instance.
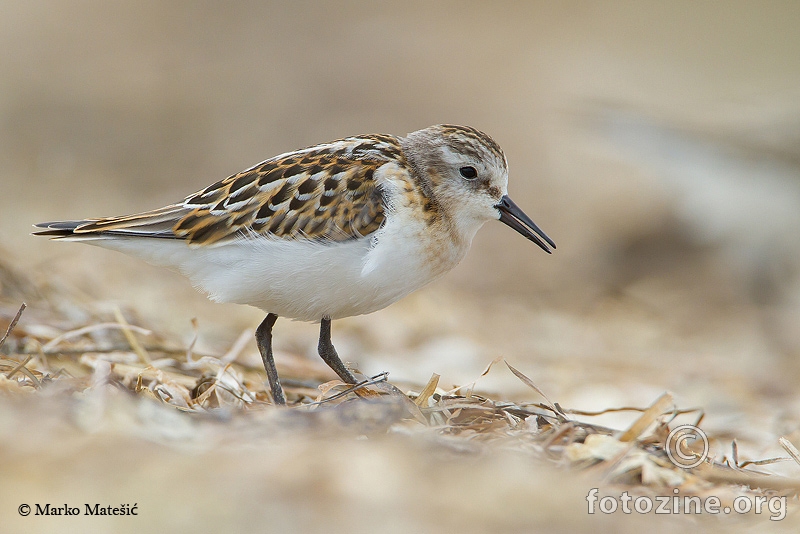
(513, 216)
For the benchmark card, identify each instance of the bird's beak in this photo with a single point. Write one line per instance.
(514, 217)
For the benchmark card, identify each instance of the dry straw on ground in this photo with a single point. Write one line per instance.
(91, 359)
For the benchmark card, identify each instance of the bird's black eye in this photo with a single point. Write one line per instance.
(468, 172)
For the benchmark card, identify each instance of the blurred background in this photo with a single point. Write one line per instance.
(658, 143)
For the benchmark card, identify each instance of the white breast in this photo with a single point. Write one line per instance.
(305, 280)
(308, 280)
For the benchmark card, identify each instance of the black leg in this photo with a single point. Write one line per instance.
(264, 341)
(328, 353)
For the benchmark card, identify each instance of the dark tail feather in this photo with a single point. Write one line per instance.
(58, 228)
(99, 228)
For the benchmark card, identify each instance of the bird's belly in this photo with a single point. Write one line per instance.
(308, 281)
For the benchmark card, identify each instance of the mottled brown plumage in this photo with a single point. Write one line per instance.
(325, 193)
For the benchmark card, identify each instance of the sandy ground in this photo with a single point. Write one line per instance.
(656, 143)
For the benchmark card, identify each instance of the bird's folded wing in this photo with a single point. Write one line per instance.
(324, 194)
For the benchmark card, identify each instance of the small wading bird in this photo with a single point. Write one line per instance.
(333, 230)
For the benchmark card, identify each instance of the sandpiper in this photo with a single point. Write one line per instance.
(330, 231)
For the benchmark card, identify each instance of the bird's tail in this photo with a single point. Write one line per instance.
(57, 229)
(155, 223)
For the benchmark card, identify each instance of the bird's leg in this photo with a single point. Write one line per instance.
(328, 353)
(264, 341)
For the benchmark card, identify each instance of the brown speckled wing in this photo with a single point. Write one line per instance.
(325, 193)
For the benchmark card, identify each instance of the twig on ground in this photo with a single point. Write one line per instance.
(13, 323)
